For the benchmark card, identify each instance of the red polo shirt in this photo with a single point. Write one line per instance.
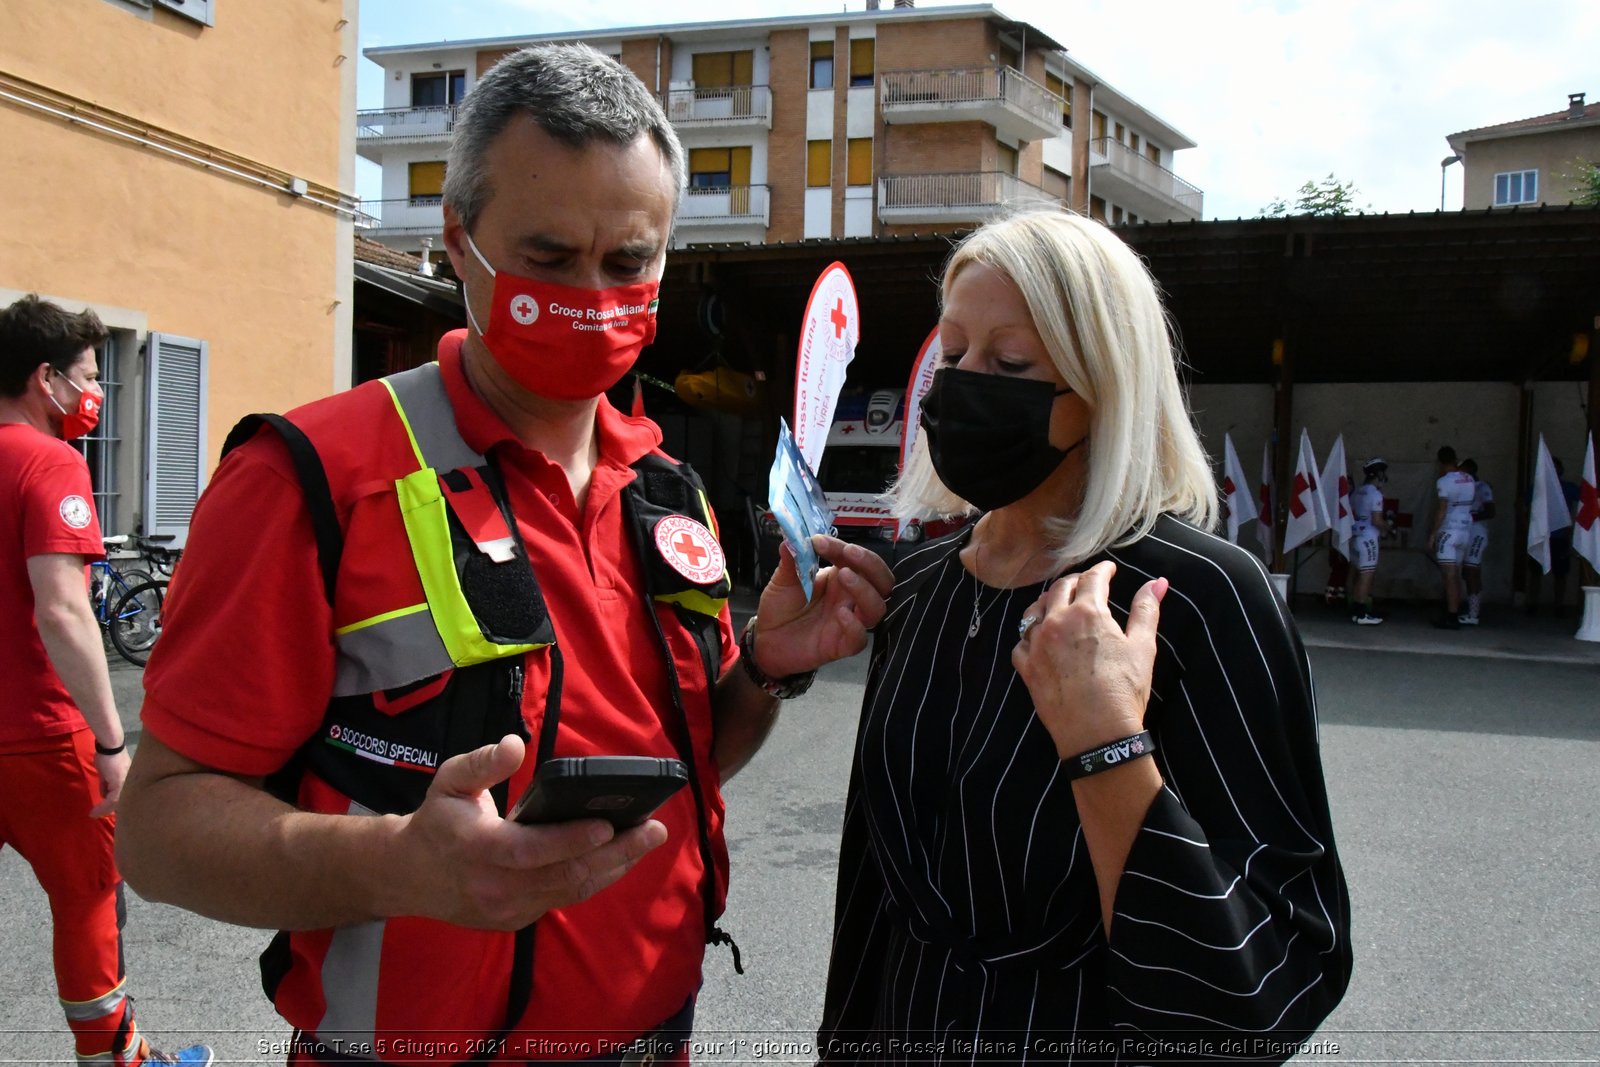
(245, 666)
(46, 506)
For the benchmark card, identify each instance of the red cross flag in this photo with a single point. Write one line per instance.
(1236, 497)
(1586, 532)
(828, 337)
(690, 549)
(922, 369)
(1336, 499)
(1549, 511)
(1308, 512)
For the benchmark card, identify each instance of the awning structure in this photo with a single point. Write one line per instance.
(1479, 296)
(435, 294)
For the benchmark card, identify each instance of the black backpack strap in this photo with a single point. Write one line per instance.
(313, 483)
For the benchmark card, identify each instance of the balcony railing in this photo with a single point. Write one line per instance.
(971, 88)
(1147, 173)
(720, 106)
(405, 122)
(407, 216)
(973, 195)
(732, 205)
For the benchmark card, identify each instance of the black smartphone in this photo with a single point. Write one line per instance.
(623, 790)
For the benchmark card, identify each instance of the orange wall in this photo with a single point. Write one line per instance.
(263, 276)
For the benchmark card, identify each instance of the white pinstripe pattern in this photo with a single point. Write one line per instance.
(967, 905)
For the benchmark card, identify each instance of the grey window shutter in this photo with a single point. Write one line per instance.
(199, 10)
(176, 440)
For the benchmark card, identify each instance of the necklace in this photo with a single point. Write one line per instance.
(977, 587)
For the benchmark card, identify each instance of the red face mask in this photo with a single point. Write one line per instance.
(561, 342)
(83, 418)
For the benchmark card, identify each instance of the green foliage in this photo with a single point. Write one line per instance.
(1585, 179)
(1329, 196)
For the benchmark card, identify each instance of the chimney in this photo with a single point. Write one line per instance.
(898, 4)
(1575, 105)
(872, 5)
(427, 264)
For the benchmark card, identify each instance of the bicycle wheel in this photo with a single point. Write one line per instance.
(136, 621)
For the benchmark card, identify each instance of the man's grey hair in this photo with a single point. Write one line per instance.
(576, 94)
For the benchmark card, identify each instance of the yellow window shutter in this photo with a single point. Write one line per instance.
(819, 164)
(858, 161)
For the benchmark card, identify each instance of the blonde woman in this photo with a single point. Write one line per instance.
(1087, 815)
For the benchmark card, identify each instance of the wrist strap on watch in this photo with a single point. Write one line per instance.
(1108, 756)
(104, 751)
(785, 688)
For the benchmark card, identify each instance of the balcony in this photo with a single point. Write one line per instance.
(725, 205)
(1140, 185)
(724, 107)
(1014, 104)
(415, 216)
(974, 196)
(402, 125)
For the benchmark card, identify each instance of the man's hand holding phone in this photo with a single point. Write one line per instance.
(455, 859)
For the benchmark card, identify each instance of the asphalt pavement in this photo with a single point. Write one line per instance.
(1463, 771)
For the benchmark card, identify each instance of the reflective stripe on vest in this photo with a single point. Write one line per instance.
(404, 646)
(350, 982)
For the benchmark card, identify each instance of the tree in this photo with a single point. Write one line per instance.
(1330, 196)
(1585, 179)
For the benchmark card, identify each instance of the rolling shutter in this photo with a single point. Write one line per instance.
(176, 438)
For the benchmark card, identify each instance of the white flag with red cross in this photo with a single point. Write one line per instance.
(1266, 531)
(1237, 501)
(1336, 499)
(1308, 512)
(829, 334)
(1586, 526)
(927, 362)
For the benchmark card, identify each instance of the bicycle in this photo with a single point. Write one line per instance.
(127, 605)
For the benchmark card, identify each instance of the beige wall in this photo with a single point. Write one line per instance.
(1551, 154)
(263, 276)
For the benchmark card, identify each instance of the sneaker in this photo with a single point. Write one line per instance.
(193, 1056)
(1446, 621)
(1467, 620)
(1365, 619)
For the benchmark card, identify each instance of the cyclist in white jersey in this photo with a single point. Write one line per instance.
(1452, 524)
(1477, 542)
(1370, 524)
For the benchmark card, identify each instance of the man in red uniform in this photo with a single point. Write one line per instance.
(338, 645)
(63, 756)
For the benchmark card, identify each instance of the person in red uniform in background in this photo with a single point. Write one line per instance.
(564, 177)
(63, 756)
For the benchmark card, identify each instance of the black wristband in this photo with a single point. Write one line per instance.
(1108, 756)
(104, 751)
(783, 688)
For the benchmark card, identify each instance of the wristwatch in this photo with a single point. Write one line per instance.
(786, 688)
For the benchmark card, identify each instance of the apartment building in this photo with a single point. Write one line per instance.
(184, 168)
(1529, 161)
(869, 123)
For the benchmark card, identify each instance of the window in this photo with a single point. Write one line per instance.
(1133, 141)
(858, 161)
(1062, 88)
(101, 446)
(1153, 152)
(819, 164)
(1120, 130)
(1516, 187)
(1005, 159)
(176, 442)
(441, 89)
(1132, 218)
(822, 64)
(723, 70)
(1056, 185)
(427, 182)
(1116, 215)
(863, 51)
(1097, 125)
(719, 168)
(1097, 208)
(197, 10)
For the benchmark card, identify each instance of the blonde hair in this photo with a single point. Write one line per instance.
(1100, 317)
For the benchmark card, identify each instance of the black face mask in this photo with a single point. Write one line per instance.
(989, 436)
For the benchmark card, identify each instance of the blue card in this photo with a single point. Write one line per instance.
(798, 504)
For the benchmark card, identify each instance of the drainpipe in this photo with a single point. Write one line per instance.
(658, 64)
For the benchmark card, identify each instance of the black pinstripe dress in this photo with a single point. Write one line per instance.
(967, 922)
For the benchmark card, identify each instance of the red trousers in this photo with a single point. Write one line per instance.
(47, 787)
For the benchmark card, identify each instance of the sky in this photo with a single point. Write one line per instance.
(1274, 92)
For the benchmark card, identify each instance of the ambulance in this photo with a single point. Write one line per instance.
(861, 460)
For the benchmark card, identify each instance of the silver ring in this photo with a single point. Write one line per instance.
(1025, 626)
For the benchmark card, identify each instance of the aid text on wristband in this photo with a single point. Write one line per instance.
(1108, 756)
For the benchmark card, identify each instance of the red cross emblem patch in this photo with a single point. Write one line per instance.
(525, 309)
(689, 549)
